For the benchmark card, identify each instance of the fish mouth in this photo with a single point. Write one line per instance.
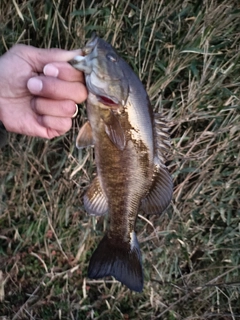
(108, 102)
(82, 62)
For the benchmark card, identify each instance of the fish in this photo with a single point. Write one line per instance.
(130, 143)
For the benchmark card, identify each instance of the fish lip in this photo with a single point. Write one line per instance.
(80, 63)
(75, 60)
(91, 44)
(113, 105)
(87, 50)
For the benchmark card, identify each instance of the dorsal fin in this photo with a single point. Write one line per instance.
(161, 136)
(160, 193)
(95, 201)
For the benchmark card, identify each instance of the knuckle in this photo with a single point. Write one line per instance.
(36, 105)
(67, 124)
(52, 133)
(17, 48)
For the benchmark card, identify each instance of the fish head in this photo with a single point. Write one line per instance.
(103, 71)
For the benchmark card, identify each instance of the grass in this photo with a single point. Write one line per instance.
(187, 55)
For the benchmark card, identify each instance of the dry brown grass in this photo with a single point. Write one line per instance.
(187, 55)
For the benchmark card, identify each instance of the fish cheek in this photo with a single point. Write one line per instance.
(120, 90)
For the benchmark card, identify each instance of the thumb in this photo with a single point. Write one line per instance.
(38, 58)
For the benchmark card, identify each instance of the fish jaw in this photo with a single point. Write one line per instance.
(80, 63)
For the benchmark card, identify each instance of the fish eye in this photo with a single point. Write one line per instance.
(111, 57)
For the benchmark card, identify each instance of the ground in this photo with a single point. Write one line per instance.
(187, 55)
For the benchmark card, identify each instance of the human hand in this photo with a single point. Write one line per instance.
(39, 90)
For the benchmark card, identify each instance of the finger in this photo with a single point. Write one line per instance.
(57, 108)
(38, 58)
(44, 56)
(53, 88)
(31, 125)
(60, 125)
(63, 71)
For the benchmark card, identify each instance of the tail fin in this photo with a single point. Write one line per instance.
(122, 260)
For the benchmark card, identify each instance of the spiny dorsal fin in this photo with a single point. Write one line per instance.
(84, 138)
(113, 128)
(95, 201)
(161, 135)
(160, 194)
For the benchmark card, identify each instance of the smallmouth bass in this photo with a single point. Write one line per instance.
(130, 142)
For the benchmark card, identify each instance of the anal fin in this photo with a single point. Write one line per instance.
(160, 193)
(84, 137)
(95, 201)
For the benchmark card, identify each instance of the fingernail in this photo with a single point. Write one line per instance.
(34, 85)
(50, 70)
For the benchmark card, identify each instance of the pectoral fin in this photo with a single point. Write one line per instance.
(160, 193)
(84, 138)
(95, 201)
(113, 128)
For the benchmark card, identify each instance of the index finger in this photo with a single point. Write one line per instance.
(63, 71)
(38, 58)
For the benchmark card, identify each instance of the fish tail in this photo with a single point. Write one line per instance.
(120, 259)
